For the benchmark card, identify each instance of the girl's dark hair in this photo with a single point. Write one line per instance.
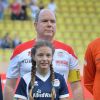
(39, 44)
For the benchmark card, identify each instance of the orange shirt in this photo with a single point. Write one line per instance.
(92, 68)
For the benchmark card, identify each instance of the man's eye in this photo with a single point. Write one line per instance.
(44, 21)
(48, 55)
(52, 21)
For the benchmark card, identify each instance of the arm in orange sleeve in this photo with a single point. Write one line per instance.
(89, 70)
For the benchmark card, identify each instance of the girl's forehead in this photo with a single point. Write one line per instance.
(44, 49)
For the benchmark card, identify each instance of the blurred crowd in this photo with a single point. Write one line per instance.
(19, 9)
(8, 43)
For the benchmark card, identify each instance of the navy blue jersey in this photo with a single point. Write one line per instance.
(42, 87)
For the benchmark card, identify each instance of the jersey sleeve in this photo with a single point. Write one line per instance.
(89, 70)
(13, 68)
(21, 91)
(63, 89)
(74, 71)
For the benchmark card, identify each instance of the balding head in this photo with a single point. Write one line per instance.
(43, 12)
(45, 25)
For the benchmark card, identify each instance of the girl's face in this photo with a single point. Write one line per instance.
(43, 57)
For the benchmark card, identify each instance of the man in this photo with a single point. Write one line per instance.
(92, 68)
(64, 58)
(1, 98)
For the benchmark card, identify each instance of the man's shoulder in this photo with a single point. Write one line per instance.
(63, 46)
(22, 47)
(59, 43)
(26, 44)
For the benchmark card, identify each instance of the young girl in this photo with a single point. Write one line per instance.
(42, 83)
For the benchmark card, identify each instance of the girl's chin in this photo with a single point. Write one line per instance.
(44, 67)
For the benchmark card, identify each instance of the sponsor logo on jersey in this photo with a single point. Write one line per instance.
(39, 94)
(26, 61)
(61, 62)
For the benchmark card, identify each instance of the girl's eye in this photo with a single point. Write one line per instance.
(40, 55)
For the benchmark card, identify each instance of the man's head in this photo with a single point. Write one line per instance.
(45, 25)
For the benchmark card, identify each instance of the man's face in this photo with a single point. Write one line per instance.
(46, 25)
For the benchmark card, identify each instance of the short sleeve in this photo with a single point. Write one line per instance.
(74, 63)
(13, 68)
(21, 91)
(63, 88)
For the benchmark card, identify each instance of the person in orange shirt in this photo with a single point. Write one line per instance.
(92, 68)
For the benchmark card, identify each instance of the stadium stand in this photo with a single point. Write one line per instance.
(78, 23)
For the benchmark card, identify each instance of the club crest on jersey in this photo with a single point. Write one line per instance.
(56, 83)
(29, 53)
(35, 83)
(60, 54)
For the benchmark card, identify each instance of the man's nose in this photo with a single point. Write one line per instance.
(49, 23)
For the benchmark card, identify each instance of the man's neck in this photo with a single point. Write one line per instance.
(51, 40)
